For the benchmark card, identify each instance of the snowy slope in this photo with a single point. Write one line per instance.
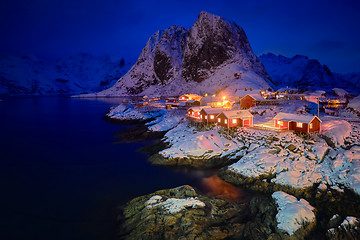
(212, 55)
(302, 72)
(73, 74)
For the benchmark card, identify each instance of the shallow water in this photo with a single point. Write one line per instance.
(62, 176)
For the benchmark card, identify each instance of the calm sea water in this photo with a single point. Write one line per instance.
(62, 175)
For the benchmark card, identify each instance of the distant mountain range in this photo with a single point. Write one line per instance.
(213, 56)
(302, 72)
(81, 73)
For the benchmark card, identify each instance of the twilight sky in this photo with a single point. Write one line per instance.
(327, 30)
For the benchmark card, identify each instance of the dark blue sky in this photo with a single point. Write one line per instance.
(327, 30)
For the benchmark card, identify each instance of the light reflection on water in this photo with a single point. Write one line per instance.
(215, 186)
(210, 184)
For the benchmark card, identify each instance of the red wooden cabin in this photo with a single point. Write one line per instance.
(249, 100)
(300, 123)
(193, 113)
(209, 114)
(235, 118)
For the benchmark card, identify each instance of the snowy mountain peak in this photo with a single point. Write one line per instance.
(212, 41)
(214, 52)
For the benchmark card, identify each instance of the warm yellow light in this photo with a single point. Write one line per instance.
(205, 94)
(189, 98)
(219, 103)
(224, 98)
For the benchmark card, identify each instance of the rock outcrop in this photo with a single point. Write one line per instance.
(183, 213)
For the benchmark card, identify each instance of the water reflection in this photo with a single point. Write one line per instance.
(215, 186)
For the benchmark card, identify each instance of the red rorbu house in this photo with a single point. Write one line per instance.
(252, 100)
(193, 113)
(208, 114)
(300, 123)
(235, 118)
(249, 100)
(187, 97)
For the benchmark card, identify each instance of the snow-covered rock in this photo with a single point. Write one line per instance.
(129, 112)
(187, 142)
(355, 104)
(340, 92)
(336, 130)
(173, 205)
(213, 55)
(292, 213)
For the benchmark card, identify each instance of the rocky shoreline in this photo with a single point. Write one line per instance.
(264, 162)
(183, 213)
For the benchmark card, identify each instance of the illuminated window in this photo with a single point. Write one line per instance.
(311, 125)
(211, 116)
(219, 103)
(205, 117)
(189, 112)
(201, 116)
(234, 121)
(299, 125)
(225, 121)
(219, 120)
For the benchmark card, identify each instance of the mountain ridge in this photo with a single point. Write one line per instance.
(213, 54)
(79, 73)
(303, 72)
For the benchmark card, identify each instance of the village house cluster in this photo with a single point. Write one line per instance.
(219, 111)
(233, 111)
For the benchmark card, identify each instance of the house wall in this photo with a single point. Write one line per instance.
(222, 118)
(237, 124)
(246, 122)
(203, 113)
(285, 125)
(247, 102)
(293, 126)
(183, 98)
(316, 125)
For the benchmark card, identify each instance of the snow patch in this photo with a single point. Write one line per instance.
(173, 205)
(336, 130)
(292, 214)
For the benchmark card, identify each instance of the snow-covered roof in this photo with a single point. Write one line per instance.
(192, 101)
(288, 117)
(238, 114)
(340, 92)
(213, 110)
(192, 96)
(256, 96)
(198, 108)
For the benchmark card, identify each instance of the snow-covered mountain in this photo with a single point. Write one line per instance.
(302, 72)
(213, 55)
(71, 75)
